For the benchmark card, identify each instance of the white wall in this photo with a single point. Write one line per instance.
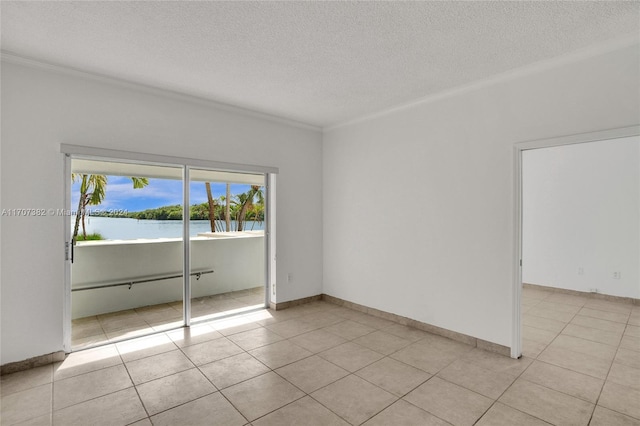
(41, 109)
(418, 203)
(238, 263)
(581, 216)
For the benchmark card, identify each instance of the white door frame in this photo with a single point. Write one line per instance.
(516, 335)
(84, 152)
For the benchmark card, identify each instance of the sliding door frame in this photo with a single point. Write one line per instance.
(100, 154)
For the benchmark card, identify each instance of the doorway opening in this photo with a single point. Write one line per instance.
(571, 227)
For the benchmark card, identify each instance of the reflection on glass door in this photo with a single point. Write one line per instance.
(127, 270)
(227, 243)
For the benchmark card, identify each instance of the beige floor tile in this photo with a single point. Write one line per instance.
(210, 410)
(560, 307)
(318, 340)
(350, 330)
(609, 306)
(89, 385)
(566, 381)
(605, 417)
(543, 323)
(382, 342)
(213, 350)
(634, 319)
(354, 399)
(234, 369)
(632, 331)
(156, 366)
(628, 357)
(605, 315)
(620, 398)
(44, 420)
(159, 313)
(450, 402)
(261, 395)
(351, 356)
(89, 342)
(87, 360)
(547, 404)
(550, 313)
(143, 422)
(503, 415)
(311, 374)
(79, 331)
(401, 413)
(630, 342)
(236, 325)
(129, 333)
(304, 412)
(408, 333)
(536, 292)
(393, 376)
(162, 326)
(170, 391)
(567, 299)
(476, 378)
(188, 336)
(427, 357)
(538, 335)
(322, 319)
(625, 375)
(25, 405)
(119, 408)
(531, 348)
(593, 334)
(255, 338)
(374, 321)
(598, 323)
(498, 363)
(292, 327)
(27, 379)
(528, 302)
(145, 346)
(576, 344)
(576, 361)
(279, 354)
(121, 322)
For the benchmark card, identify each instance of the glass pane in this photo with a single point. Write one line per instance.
(126, 275)
(227, 243)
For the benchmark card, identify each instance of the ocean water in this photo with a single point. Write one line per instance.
(112, 228)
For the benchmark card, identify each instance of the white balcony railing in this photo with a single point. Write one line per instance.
(155, 265)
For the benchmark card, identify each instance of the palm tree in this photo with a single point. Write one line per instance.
(93, 189)
(245, 201)
(227, 209)
(212, 207)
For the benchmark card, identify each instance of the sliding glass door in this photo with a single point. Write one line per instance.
(227, 244)
(127, 245)
(155, 246)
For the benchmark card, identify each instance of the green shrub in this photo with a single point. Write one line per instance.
(90, 237)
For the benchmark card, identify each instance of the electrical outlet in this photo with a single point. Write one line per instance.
(273, 289)
(289, 277)
(616, 275)
(593, 290)
(581, 271)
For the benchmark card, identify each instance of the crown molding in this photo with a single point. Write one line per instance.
(534, 68)
(13, 58)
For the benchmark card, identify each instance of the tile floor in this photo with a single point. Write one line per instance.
(116, 326)
(320, 364)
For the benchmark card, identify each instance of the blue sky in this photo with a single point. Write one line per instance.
(160, 192)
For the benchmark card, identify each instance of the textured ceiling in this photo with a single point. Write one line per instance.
(320, 63)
